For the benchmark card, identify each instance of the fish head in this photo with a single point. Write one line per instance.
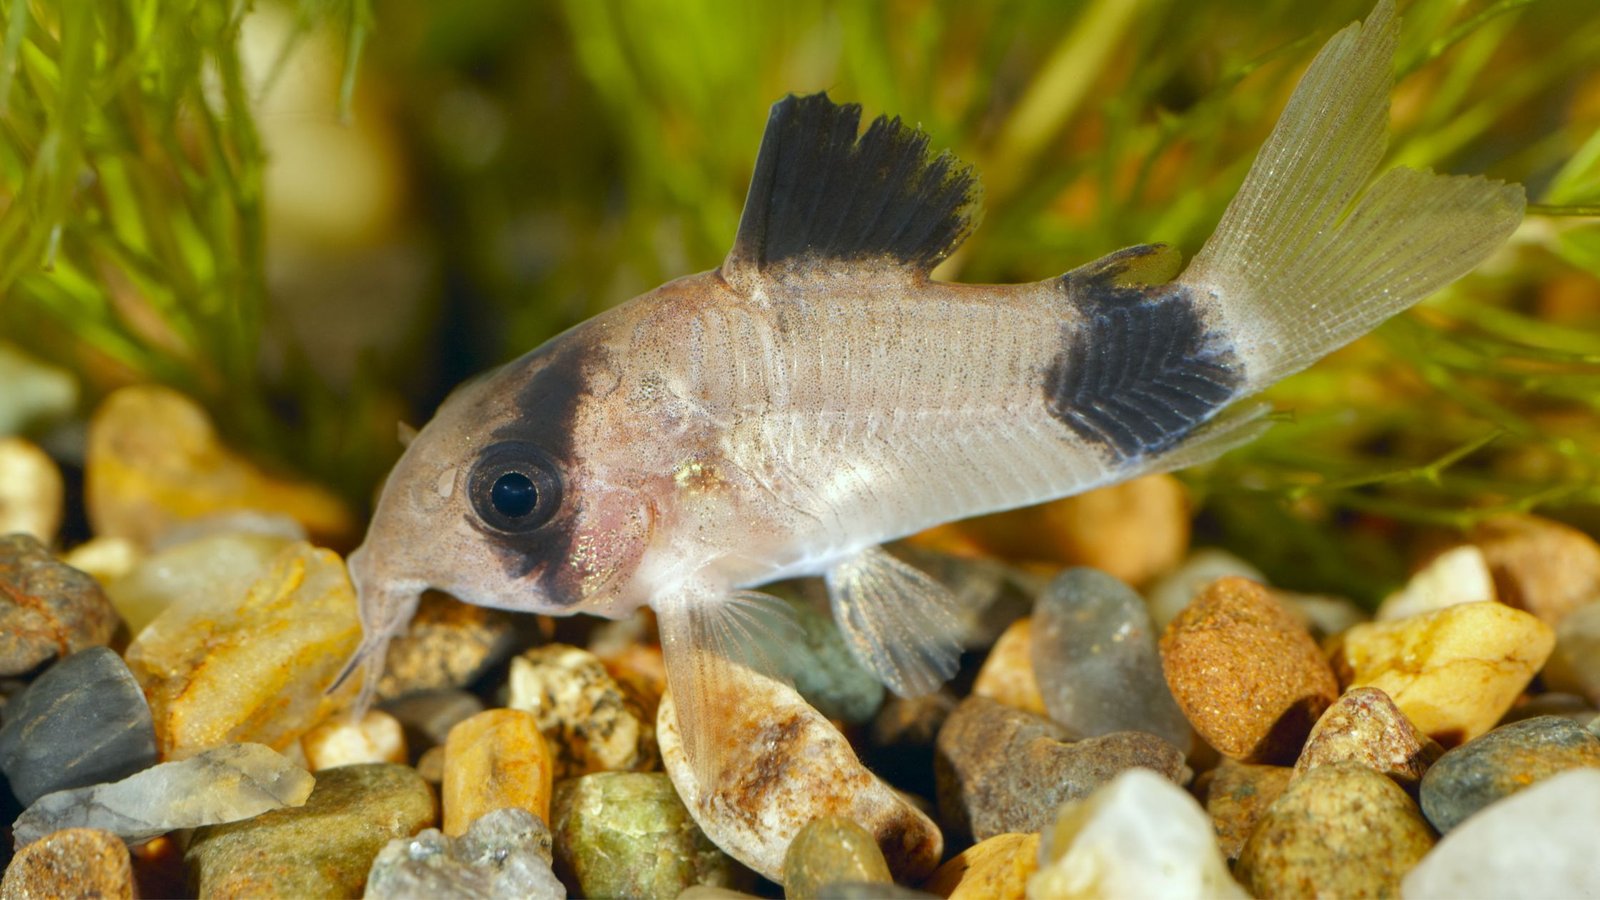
(495, 503)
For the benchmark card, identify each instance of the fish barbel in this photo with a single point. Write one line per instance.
(820, 394)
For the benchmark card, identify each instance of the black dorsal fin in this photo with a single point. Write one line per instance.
(822, 194)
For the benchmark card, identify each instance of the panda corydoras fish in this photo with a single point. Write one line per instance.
(820, 393)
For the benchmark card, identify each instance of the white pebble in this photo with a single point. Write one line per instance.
(1138, 836)
(1537, 843)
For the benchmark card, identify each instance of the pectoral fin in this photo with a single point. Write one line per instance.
(899, 623)
(709, 643)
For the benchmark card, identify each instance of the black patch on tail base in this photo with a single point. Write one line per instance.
(1141, 369)
(821, 192)
(548, 402)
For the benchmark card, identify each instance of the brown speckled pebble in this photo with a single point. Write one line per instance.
(75, 862)
(1245, 672)
(1365, 727)
(1003, 770)
(47, 608)
(1237, 795)
(1338, 831)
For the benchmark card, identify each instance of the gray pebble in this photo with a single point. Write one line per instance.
(1004, 770)
(1096, 663)
(1502, 762)
(506, 853)
(84, 721)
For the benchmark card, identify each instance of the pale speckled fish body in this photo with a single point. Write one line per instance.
(820, 394)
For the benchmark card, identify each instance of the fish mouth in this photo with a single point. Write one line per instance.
(385, 607)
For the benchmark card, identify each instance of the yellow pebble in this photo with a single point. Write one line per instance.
(495, 760)
(30, 491)
(155, 461)
(376, 738)
(1007, 673)
(995, 869)
(1454, 672)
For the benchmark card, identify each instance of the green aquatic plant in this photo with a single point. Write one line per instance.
(131, 203)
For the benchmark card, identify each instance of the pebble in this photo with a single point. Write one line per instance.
(1237, 795)
(47, 609)
(31, 491)
(786, 766)
(1337, 831)
(1096, 663)
(494, 760)
(1453, 672)
(1541, 566)
(1500, 763)
(907, 723)
(191, 575)
(105, 558)
(821, 666)
(1365, 727)
(643, 671)
(626, 834)
(36, 392)
(1137, 836)
(73, 862)
(253, 660)
(993, 869)
(84, 721)
(1132, 531)
(1004, 770)
(592, 722)
(1175, 590)
(831, 850)
(321, 849)
(506, 853)
(1535, 845)
(154, 460)
(376, 737)
(1574, 664)
(447, 645)
(1007, 673)
(1458, 575)
(1245, 672)
(224, 784)
(430, 765)
(428, 717)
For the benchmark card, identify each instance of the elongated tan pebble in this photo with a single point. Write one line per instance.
(793, 767)
(495, 760)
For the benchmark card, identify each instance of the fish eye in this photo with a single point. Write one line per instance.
(515, 487)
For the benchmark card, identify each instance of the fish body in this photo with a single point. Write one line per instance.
(820, 393)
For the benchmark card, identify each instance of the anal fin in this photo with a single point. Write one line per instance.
(899, 623)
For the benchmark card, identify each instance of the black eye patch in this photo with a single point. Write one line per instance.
(515, 487)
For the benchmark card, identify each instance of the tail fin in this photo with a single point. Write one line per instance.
(1304, 261)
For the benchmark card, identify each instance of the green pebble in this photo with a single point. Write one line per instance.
(321, 849)
(828, 852)
(823, 669)
(626, 834)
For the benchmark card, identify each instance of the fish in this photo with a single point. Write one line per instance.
(820, 393)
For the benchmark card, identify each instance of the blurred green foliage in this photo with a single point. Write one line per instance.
(560, 157)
